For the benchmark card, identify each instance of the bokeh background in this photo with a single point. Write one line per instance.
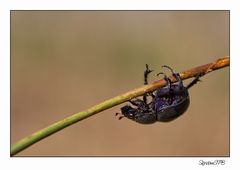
(63, 62)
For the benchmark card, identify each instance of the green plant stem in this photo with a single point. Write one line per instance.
(41, 134)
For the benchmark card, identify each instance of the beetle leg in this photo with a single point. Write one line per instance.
(195, 80)
(146, 72)
(137, 102)
(169, 68)
(176, 75)
(164, 91)
(166, 79)
(152, 95)
(179, 80)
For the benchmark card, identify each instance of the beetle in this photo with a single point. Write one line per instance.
(166, 103)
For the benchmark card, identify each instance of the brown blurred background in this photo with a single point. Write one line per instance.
(63, 62)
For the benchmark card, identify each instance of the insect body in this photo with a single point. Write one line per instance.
(167, 103)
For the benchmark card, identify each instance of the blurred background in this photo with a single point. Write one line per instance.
(63, 62)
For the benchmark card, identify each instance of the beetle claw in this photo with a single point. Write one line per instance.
(168, 68)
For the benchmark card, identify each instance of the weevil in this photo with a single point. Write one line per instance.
(166, 103)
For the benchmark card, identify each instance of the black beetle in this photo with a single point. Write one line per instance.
(167, 103)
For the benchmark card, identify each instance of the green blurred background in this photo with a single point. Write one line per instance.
(63, 62)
